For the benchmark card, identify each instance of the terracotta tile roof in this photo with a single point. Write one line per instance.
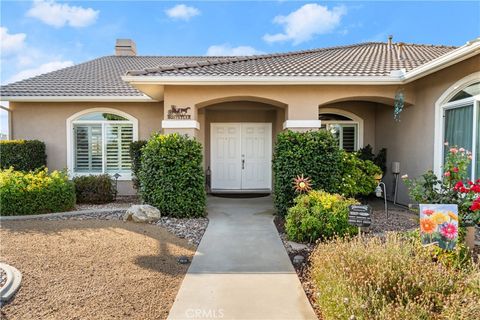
(102, 76)
(365, 59)
(98, 77)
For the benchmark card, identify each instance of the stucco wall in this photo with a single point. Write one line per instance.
(47, 122)
(411, 141)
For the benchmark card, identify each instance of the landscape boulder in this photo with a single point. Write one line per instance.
(142, 213)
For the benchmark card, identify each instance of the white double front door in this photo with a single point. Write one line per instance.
(241, 155)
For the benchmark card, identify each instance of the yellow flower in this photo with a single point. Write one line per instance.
(452, 216)
(439, 218)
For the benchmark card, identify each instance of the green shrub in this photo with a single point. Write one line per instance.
(392, 278)
(171, 175)
(358, 176)
(95, 189)
(35, 192)
(314, 154)
(135, 155)
(366, 153)
(23, 155)
(318, 215)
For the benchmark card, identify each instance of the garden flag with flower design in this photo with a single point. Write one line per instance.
(439, 225)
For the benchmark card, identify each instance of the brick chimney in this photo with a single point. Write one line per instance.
(125, 47)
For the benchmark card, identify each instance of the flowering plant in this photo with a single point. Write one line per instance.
(453, 187)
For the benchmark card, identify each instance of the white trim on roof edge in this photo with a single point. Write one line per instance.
(143, 98)
(260, 80)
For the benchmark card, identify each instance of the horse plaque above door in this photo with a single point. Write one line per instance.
(177, 113)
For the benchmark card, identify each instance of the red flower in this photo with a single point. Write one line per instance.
(458, 185)
(455, 169)
(428, 212)
(475, 205)
(447, 174)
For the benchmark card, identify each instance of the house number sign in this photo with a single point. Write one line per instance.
(177, 113)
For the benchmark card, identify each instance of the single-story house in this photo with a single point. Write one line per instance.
(88, 114)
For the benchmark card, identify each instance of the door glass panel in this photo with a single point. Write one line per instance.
(459, 128)
(477, 158)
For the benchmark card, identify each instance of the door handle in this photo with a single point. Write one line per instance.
(243, 164)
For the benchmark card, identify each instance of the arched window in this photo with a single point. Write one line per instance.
(99, 142)
(461, 122)
(346, 127)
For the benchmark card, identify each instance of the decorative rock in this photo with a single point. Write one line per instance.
(297, 246)
(298, 259)
(142, 213)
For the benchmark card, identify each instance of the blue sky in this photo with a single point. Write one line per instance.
(45, 35)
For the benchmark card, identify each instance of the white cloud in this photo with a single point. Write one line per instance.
(310, 20)
(227, 50)
(11, 43)
(182, 12)
(43, 68)
(59, 15)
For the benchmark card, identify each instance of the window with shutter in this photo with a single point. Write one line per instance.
(344, 129)
(101, 143)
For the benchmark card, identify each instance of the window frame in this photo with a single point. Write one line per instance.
(342, 123)
(443, 104)
(72, 120)
(355, 120)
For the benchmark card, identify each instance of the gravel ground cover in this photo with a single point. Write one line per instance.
(191, 229)
(94, 269)
(122, 202)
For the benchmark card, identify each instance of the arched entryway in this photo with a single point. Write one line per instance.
(238, 136)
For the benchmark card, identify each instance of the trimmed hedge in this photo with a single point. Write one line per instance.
(136, 156)
(171, 175)
(314, 154)
(22, 155)
(94, 189)
(35, 192)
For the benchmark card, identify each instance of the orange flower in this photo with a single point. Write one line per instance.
(427, 226)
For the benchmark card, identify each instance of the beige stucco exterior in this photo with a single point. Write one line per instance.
(409, 141)
(47, 122)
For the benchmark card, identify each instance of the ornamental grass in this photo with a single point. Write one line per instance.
(394, 278)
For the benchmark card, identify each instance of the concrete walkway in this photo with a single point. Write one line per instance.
(241, 269)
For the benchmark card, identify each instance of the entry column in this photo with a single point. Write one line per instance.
(302, 117)
(180, 118)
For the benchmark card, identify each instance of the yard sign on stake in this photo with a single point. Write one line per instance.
(439, 225)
